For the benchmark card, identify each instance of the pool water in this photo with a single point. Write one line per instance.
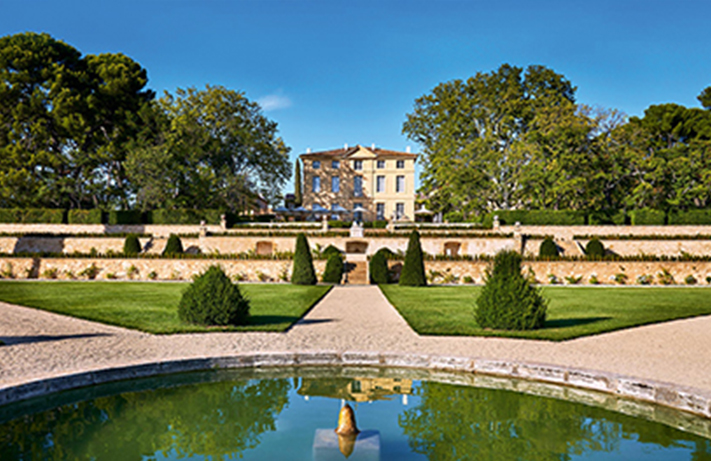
(277, 414)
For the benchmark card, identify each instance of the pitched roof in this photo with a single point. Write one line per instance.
(346, 152)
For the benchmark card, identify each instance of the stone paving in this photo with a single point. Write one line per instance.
(350, 320)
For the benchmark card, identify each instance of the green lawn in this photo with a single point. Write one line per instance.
(572, 311)
(153, 307)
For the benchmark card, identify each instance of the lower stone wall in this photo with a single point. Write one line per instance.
(145, 269)
(278, 270)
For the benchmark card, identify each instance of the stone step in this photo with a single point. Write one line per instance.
(356, 273)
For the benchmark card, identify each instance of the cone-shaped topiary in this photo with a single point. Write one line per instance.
(212, 299)
(413, 269)
(303, 269)
(508, 301)
(378, 268)
(331, 250)
(548, 248)
(334, 269)
(174, 246)
(131, 246)
(595, 248)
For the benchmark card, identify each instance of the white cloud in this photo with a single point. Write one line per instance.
(274, 102)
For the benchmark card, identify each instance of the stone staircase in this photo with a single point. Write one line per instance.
(356, 273)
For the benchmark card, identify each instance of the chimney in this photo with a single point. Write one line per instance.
(372, 146)
(345, 146)
(308, 150)
(407, 149)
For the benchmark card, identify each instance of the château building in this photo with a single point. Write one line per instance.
(360, 183)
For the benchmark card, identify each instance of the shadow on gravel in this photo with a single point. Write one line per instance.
(9, 340)
(314, 321)
(562, 323)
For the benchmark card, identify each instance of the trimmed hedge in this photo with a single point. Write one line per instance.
(212, 299)
(378, 271)
(126, 217)
(548, 249)
(691, 217)
(413, 269)
(331, 250)
(647, 216)
(185, 216)
(174, 246)
(537, 217)
(131, 246)
(94, 216)
(594, 248)
(337, 224)
(334, 269)
(508, 301)
(32, 216)
(303, 272)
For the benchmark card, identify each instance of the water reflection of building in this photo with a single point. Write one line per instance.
(356, 389)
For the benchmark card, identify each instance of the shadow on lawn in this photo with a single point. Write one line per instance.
(574, 322)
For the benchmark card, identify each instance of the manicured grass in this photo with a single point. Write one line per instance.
(153, 307)
(572, 311)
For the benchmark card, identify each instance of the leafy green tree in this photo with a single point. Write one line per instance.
(303, 270)
(212, 299)
(413, 269)
(471, 132)
(508, 301)
(217, 152)
(705, 98)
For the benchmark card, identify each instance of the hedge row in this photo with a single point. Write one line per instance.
(96, 216)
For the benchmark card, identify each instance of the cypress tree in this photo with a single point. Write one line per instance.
(303, 270)
(174, 246)
(378, 268)
(508, 300)
(131, 246)
(298, 199)
(334, 269)
(413, 270)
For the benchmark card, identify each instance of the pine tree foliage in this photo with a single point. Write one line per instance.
(303, 270)
(213, 299)
(334, 269)
(508, 300)
(173, 246)
(378, 268)
(298, 197)
(413, 270)
(131, 246)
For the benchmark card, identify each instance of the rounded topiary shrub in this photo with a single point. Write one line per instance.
(303, 270)
(131, 246)
(508, 300)
(174, 246)
(212, 299)
(548, 248)
(595, 248)
(334, 269)
(413, 269)
(378, 268)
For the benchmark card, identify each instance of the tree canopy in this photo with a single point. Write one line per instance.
(85, 132)
(517, 139)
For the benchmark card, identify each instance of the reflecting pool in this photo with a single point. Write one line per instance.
(291, 413)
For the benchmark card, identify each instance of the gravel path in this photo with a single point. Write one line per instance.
(40, 345)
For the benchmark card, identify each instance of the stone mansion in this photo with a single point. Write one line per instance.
(360, 183)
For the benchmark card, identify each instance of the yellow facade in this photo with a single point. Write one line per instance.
(369, 183)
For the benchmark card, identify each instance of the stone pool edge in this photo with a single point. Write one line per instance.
(682, 398)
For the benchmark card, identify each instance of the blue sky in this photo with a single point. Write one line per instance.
(337, 71)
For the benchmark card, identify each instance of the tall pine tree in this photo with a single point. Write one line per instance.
(298, 198)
